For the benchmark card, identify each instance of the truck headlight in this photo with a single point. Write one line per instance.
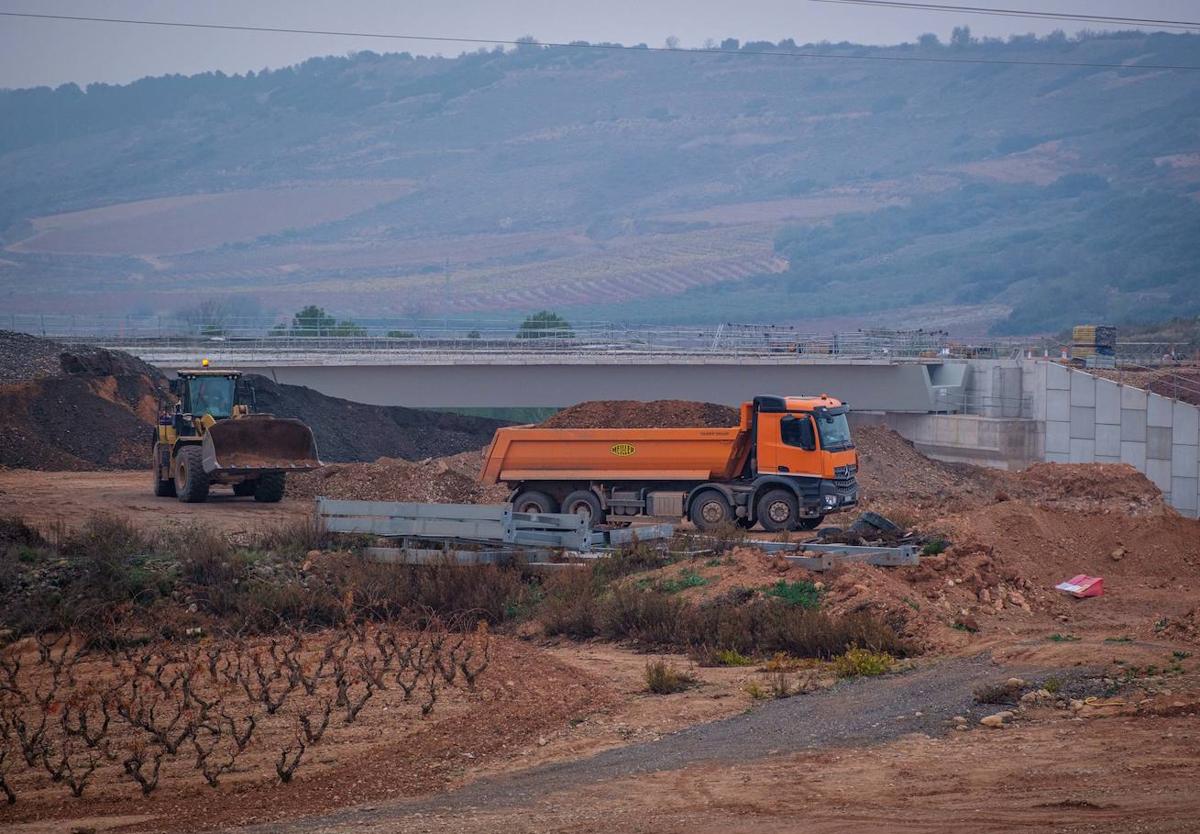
(831, 501)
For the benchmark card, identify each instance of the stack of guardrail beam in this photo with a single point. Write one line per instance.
(1095, 345)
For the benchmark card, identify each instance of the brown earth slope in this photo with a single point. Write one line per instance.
(68, 407)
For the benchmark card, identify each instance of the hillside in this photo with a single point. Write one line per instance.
(623, 184)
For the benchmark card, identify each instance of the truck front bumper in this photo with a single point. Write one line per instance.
(835, 496)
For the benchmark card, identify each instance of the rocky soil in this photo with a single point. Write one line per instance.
(634, 414)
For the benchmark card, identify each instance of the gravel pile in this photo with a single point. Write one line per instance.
(634, 414)
(25, 357)
(349, 431)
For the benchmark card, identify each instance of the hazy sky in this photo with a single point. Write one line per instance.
(36, 52)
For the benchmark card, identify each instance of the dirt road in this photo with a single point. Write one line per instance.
(865, 712)
(47, 499)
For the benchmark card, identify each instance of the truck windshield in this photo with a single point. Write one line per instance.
(834, 430)
(210, 395)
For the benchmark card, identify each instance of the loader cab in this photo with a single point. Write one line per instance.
(207, 392)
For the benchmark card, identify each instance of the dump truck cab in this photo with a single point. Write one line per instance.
(788, 463)
(802, 446)
(209, 436)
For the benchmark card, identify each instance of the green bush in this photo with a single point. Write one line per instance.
(732, 657)
(859, 662)
(688, 579)
(802, 592)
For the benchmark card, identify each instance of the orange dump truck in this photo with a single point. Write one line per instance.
(788, 463)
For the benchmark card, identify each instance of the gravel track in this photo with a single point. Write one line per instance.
(852, 713)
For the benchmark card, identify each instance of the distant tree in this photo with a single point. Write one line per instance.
(731, 44)
(672, 42)
(210, 317)
(929, 40)
(526, 43)
(313, 321)
(545, 325)
(401, 334)
(474, 334)
(960, 37)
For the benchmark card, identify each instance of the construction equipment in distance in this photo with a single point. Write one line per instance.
(212, 438)
(788, 463)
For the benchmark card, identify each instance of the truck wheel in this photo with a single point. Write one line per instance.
(191, 481)
(778, 510)
(585, 503)
(710, 511)
(245, 488)
(533, 501)
(269, 488)
(162, 489)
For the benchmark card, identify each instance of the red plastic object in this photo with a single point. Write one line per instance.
(1082, 586)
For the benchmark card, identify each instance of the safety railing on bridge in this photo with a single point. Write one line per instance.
(330, 336)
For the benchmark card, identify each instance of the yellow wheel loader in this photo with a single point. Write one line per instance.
(209, 437)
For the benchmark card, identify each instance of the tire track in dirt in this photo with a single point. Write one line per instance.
(853, 713)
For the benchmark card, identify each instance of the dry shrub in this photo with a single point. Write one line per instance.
(1004, 692)
(293, 538)
(662, 678)
(636, 558)
(570, 604)
(748, 628)
(648, 617)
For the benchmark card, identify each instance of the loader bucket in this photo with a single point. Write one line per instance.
(256, 444)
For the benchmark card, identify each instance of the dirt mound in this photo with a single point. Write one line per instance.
(351, 431)
(1088, 487)
(77, 423)
(897, 479)
(635, 414)
(891, 471)
(71, 407)
(450, 480)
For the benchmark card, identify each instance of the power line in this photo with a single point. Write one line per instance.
(229, 27)
(1028, 13)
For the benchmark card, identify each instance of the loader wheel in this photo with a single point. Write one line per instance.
(584, 502)
(534, 502)
(162, 488)
(269, 488)
(245, 488)
(710, 511)
(778, 510)
(191, 481)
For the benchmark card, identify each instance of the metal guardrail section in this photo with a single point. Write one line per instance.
(491, 524)
(481, 338)
(831, 554)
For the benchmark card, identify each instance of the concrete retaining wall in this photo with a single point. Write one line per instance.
(1093, 420)
(1023, 411)
(1003, 443)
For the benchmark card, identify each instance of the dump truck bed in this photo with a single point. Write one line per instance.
(526, 453)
